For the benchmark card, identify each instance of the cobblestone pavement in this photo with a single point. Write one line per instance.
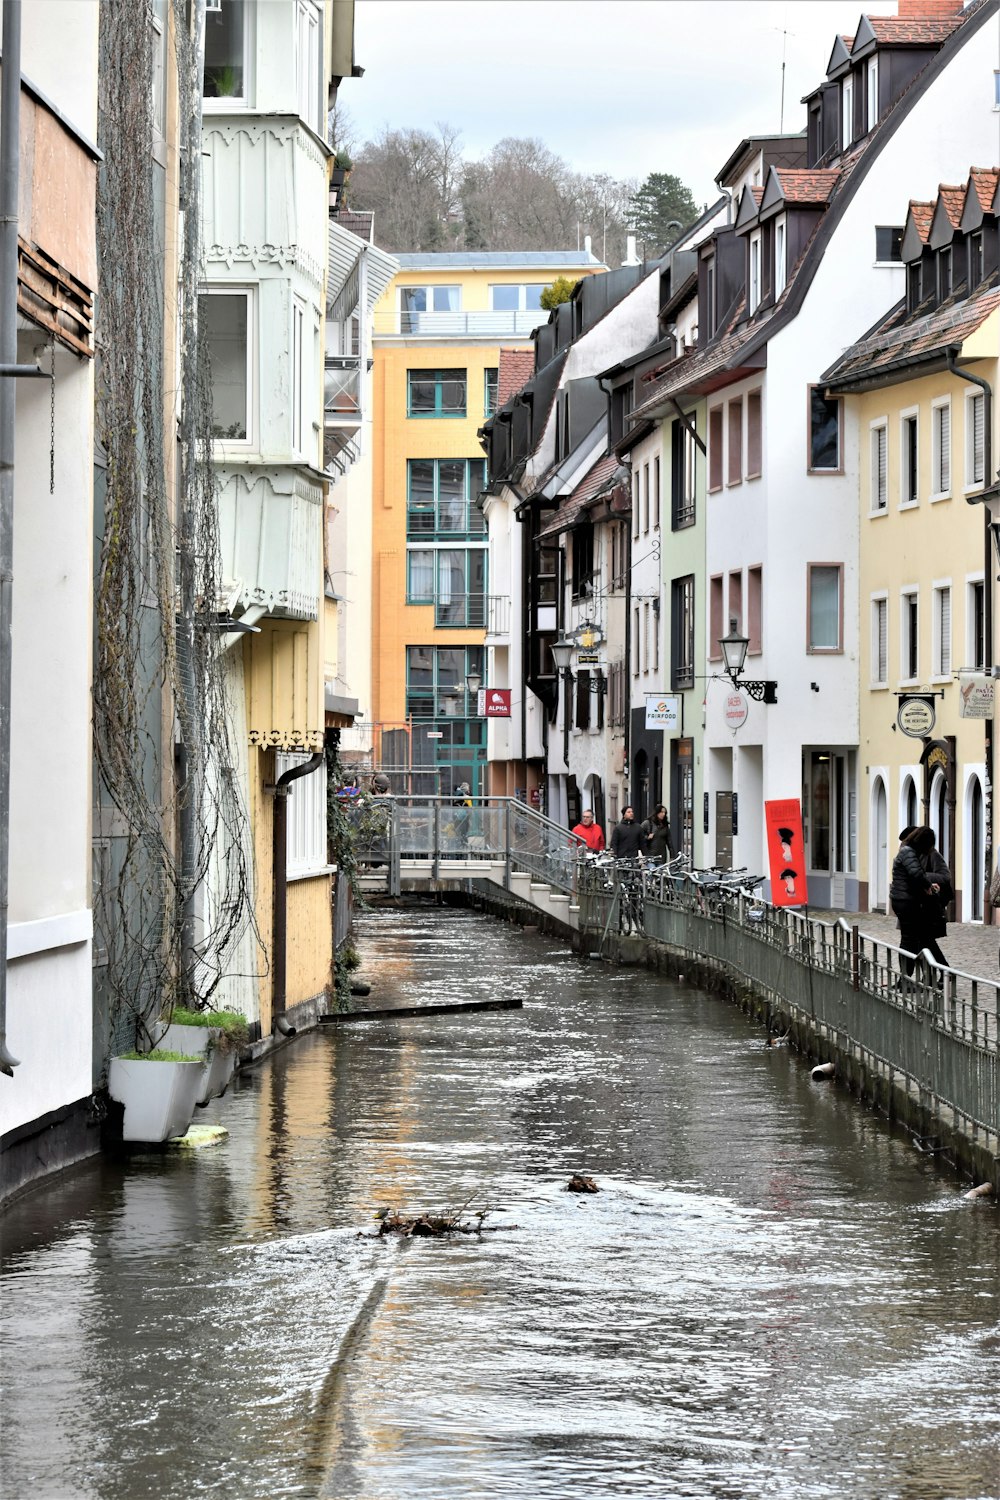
(968, 946)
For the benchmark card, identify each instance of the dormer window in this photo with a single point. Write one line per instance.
(753, 280)
(913, 286)
(847, 112)
(709, 317)
(780, 256)
(944, 274)
(871, 93)
(975, 254)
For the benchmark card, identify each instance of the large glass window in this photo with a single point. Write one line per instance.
(435, 681)
(225, 51)
(824, 432)
(309, 75)
(414, 301)
(436, 393)
(441, 498)
(453, 579)
(825, 614)
(225, 321)
(517, 298)
(682, 625)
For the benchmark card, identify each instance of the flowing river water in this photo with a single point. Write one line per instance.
(771, 1295)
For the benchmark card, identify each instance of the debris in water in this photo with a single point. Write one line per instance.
(580, 1184)
(433, 1226)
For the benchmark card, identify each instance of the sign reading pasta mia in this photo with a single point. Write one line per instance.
(975, 695)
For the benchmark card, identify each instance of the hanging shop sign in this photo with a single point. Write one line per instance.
(737, 710)
(786, 852)
(663, 713)
(588, 636)
(494, 703)
(916, 716)
(975, 696)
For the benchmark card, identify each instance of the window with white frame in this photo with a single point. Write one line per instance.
(909, 458)
(754, 281)
(975, 624)
(941, 643)
(416, 301)
(308, 67)
(305, 848)
(871, 93)
(780, 256)
(879, 498)
(225, 317)
(509, 297)
(228, 24)
(847, 112)
(158, 22)
(298, 374)
(825, 607)
(909, 635)
(974, 436)
(941, 448)
(880, 641)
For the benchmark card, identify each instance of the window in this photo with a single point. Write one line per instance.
(298, 374)
(974, 435)
(619, 554)
(158, 23)
(944, 274)
(753, 281)
(909, 458)
(635, 504)
(825, 607)
(225, 319)
(716, 629)
(975, 254)
(441, 498)
(708, 311)
(646, 652)
(308, 70)
(435, 393)
(305, 848)
(941, 644)
(909, 635)
(656, 493)
(914, 285)
(736, 598)
(682, 633)
(715, 449)
(824, 433)
(453, 580)
(888, 243)
(871, 93)
(645, 497)
(734, 473)
(941, 448)
(880, 642)
(754, 435)
(492, 379)
(225, 68)
(517, 298)
(683, 453)
(583, 561)
(415, 302)
(975, 610)
(419, 575)
(878, 495)
(755, 610)
(435, 681)
(780, 256)
(636, 643)
(846, 112)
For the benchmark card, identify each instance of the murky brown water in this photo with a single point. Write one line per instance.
(771, 1295)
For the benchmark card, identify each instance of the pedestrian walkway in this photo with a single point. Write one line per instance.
(969, 946)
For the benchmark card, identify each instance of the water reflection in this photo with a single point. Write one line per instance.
(770, 1295)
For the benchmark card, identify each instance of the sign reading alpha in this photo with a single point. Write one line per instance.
(916, 716)
(494, 703)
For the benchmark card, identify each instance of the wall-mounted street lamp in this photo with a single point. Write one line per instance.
(734, 647)
(473, 681)
(562, 657)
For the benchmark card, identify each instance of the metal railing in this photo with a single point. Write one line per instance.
(342, 386)
(498, 613)
(453, 325)
(936, 1030)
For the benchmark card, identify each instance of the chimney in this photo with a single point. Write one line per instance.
(586, 245)
(631, 259)
(930, 10)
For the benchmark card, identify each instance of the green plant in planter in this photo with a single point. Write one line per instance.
(343, 160)
(157, 1055)
(233, 1026)
(226, 81)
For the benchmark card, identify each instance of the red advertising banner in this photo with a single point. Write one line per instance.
(497, 703)
(786, 852)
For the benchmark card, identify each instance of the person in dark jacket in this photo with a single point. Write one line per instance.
(657, 843)
(627, 838)
(920, 890)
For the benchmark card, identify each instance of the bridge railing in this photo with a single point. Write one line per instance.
(442, 831)
(936, 1028)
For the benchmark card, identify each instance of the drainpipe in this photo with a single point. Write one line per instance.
(10, 125)
(279, 852)
(981, 499)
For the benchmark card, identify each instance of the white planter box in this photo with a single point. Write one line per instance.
(159, 1097)
(218, 1067)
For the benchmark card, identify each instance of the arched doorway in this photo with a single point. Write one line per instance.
(909, 806)
(878, 854)
(939, 820)
(975, 843)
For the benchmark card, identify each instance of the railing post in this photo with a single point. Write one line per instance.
(436, 857)
(855, 964)
(394, 880)
(506, 844)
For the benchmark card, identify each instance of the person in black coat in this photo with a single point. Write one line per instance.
(627, 839)
(657, 843)
(920, 890)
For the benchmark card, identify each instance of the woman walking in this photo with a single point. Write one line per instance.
(657, 843)
(921, 889)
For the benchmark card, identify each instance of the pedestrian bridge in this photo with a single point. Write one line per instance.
(432, 844)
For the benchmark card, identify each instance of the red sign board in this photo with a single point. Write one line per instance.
(496, 703)
(786, 853)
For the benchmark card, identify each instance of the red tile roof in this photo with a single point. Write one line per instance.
(357, 221)
(598, 478)
(913, 31)
(902, 341)
(758, 193)
(516, 367)
(953, 199)
(921, 214)
(801, 186)
(984, 180)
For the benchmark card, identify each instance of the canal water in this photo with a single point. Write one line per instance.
(771, 1295)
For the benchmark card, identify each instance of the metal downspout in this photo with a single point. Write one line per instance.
(279, 853)
(10, 126)
(982, 499)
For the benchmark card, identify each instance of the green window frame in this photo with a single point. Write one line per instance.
(441, 495)
(437, 393)
(435, 683)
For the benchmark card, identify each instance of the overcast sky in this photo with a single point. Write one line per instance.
(625, 87)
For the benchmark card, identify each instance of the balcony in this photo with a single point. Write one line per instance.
(459, 325)
(498, 615)
(342, 390)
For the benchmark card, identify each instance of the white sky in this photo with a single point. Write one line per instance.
(625, 87)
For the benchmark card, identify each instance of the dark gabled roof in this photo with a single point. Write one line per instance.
(979, 197)
(899, 342)
(840, 56)
(903, 31)
(602, 476)
(752, 144)
(515, 369)
(702, 372)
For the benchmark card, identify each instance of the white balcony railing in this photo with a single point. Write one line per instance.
(458, 325)
(498, 611)
(342, 388)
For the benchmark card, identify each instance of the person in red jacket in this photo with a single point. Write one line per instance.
(590, 832)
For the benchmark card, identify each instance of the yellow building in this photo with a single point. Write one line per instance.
(438, 331)
(916, 389)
